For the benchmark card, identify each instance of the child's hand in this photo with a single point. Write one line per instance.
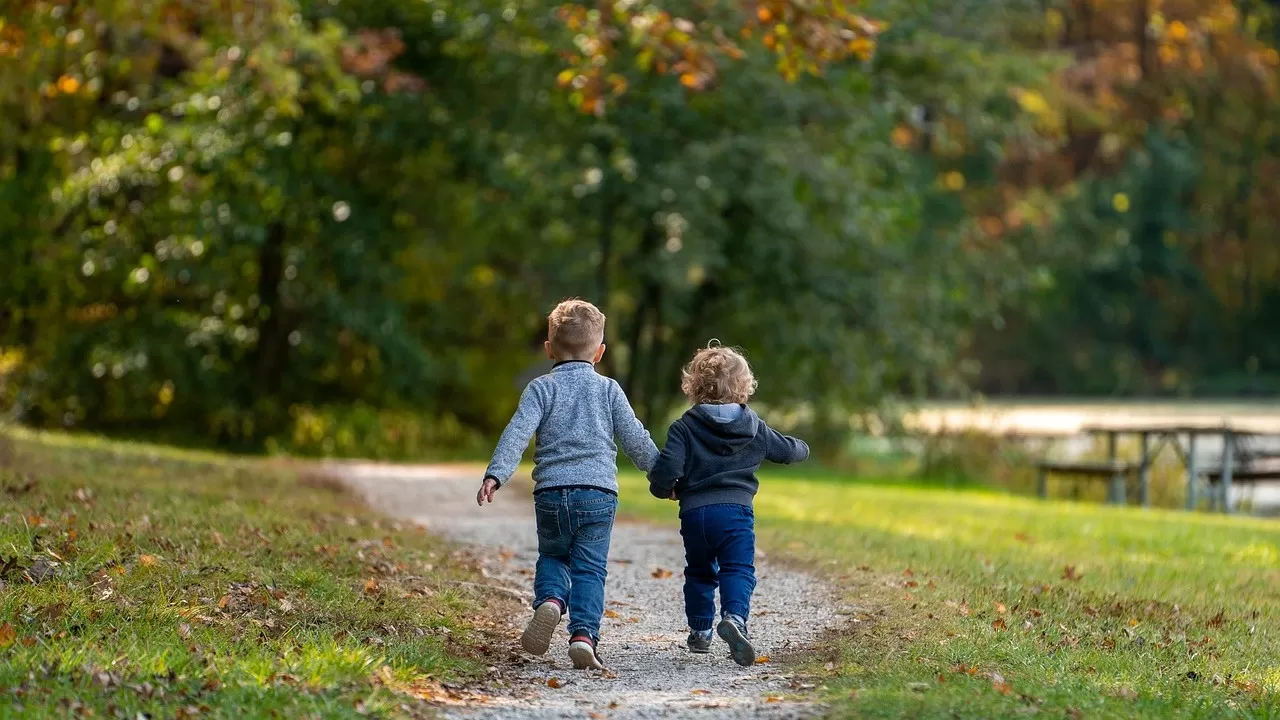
(487, 489)
(673, 496)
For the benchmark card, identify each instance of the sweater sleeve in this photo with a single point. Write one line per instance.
(784, 449)
(515, 438)
(631, 433)
(669, 467)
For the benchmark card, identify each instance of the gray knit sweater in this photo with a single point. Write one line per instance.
(575, 413)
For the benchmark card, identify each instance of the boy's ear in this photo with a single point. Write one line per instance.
(599, 354)
(547, 347)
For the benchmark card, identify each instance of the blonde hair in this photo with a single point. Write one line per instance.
(719, 376)
(575, 329)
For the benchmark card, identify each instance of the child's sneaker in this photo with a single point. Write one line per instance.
(699, 641)
(537, 634)
(733, 630)
(582, 651)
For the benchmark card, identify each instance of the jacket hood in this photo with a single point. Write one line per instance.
(721, 435)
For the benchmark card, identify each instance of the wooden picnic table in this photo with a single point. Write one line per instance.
(1238, 461)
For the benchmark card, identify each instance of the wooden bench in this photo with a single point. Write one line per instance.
(1111, 470)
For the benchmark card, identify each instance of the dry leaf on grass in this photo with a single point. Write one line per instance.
(371, 587)
(1069, 572)
(147, 560)
(7, 635)
(999, 684)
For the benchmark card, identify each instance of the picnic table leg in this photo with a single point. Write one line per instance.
(1116, 491)
(1144, 472)
(1191, 471)
(1228, 457)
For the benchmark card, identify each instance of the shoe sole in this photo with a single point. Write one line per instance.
(542, 626)
(584, 657)
(740, 648)
(700, 651)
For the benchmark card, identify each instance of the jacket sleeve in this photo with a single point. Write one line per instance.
(784, 449)
(669, 467)
(631, 433)
(515, 438)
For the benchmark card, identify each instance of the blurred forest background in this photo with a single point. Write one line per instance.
(334, 226)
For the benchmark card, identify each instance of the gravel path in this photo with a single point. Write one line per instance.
(650, 675)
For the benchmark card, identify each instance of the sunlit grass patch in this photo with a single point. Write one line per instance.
(144, 580)
(979, 604)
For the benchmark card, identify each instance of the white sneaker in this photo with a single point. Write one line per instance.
(542, 626)
(582, 651)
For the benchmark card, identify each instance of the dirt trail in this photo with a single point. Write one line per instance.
(651, 674)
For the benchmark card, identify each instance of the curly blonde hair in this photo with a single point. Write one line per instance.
(575, 329)
(719, 376)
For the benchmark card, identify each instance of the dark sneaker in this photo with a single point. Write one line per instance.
(537, 634)
(733, 630)
(582, 651)
(699, 641)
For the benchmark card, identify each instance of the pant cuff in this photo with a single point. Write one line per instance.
(701, 624)
(593, 634)
(741, 611)
(551, 598)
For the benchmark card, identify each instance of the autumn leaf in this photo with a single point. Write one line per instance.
(999, 624)
(763, 659)
(660, 574)
(147, 560)
(223, 602)
(1217, 621)
(554, 683)
(371, 587)
(1001, 609)
(7, 635)
(700, 692)
(611, 614)
(773, 699)
(1069, 573)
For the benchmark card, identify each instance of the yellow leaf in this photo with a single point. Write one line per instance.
(773, 699)
(902, 136)
(763, 659)
(147, 560)
(689, 80)
(954, 180)
(565, 77)
(68, 85)
(1120, 202)
(1178, 31)
(611, 614)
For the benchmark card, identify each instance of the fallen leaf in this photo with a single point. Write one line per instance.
(1069, 573)
(1133, 622)
(864, 568)
(908, 572)
(763, 659)
(613, 614)
(660, 573)
(633, 620)
(999, 624)
(701, 692)
(773, 699)
(554, 683)
(7, 635)
(1022, 537)
(147, 560)
(1217, 621)
(1000, 608)
(223, 602)
(371, 587)
(1125, 693)
(387, 542)
(184, 631)
(999, 684)
(28, 642)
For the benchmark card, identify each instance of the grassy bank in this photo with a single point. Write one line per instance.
(975, 604)
(143, 580)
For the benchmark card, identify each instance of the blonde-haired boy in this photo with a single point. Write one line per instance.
(575, 414)
(709, 464)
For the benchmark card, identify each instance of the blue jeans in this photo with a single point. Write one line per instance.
(719, 550)
(574, 529)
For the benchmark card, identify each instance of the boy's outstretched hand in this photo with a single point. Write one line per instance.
(487, 489)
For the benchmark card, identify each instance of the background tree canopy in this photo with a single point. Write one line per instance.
(337, 227)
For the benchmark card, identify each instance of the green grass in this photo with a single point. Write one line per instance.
(976, 604)
(137, 579)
